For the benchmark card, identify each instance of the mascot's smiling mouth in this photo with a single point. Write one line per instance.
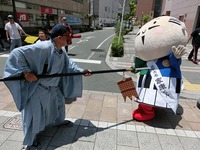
(143, 37)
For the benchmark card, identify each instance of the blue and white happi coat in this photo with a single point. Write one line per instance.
(161, 85)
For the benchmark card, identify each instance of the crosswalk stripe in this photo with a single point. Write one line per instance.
(4, 55)
(86, 61)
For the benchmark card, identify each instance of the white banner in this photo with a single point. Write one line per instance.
(161, 86)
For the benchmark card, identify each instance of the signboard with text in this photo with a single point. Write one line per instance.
(22, 17)
(46, 10)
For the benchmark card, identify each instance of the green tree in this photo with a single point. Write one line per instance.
(146, 18)
(131, 14)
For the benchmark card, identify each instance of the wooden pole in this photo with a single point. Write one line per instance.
(73, 74)
(66, 74)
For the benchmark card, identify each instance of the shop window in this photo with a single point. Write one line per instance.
(168, 13)
(181, 18)
(32, 6)
(151, 14)
(106, 8)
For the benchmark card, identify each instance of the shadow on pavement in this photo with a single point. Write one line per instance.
(166, 118)
(85, 131)
(63, 137)
(57, 137)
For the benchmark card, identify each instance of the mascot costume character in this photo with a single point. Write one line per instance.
(159, 45)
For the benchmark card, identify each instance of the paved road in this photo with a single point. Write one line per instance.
(90, 52)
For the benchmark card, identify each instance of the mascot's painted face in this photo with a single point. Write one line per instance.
(156, 38)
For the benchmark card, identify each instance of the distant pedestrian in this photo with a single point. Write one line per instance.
(69, 41)
(12, 33)
(195, 35)
(2, 46)
(43, 35)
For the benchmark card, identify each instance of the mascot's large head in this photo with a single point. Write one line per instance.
(156, 38)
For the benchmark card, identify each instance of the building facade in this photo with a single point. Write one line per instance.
(144, 7)
(187, 11)
(36, 13)
(151, 7)
(105, 11)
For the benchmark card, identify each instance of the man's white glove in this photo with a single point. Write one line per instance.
(179, 51)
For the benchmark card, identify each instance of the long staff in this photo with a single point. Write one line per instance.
(72, 74)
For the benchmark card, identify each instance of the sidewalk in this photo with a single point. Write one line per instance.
(103, 120)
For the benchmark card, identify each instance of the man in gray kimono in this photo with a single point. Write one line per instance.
(42, 100)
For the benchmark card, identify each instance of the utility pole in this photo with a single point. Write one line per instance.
(14, 11)
(121, 24)
(91, 13)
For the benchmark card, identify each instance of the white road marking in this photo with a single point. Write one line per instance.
(90, 55)
(4, 55)
(86, 61)
(74, 59)
(90, 37)
(71, 47)
(100, 45)
(80, 41)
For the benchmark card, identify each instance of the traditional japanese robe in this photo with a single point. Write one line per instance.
(42, 102)
(161, 85)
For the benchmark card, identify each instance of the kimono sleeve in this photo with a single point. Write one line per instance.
(71, 86)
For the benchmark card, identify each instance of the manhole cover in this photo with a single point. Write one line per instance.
(97, 50)
(14, 123)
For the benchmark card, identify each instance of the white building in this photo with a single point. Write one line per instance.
(105, 11)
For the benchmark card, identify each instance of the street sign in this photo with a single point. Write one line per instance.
(126, 9)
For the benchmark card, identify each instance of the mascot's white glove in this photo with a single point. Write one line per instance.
(179, 51)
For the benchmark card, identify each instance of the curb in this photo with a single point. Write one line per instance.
(113, 67)
(134, 77)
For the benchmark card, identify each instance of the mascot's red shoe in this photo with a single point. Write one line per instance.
(143, 113)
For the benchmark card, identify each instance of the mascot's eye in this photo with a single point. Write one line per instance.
(138, 34)
(154, 22)
(176, 21)
(153, 27)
